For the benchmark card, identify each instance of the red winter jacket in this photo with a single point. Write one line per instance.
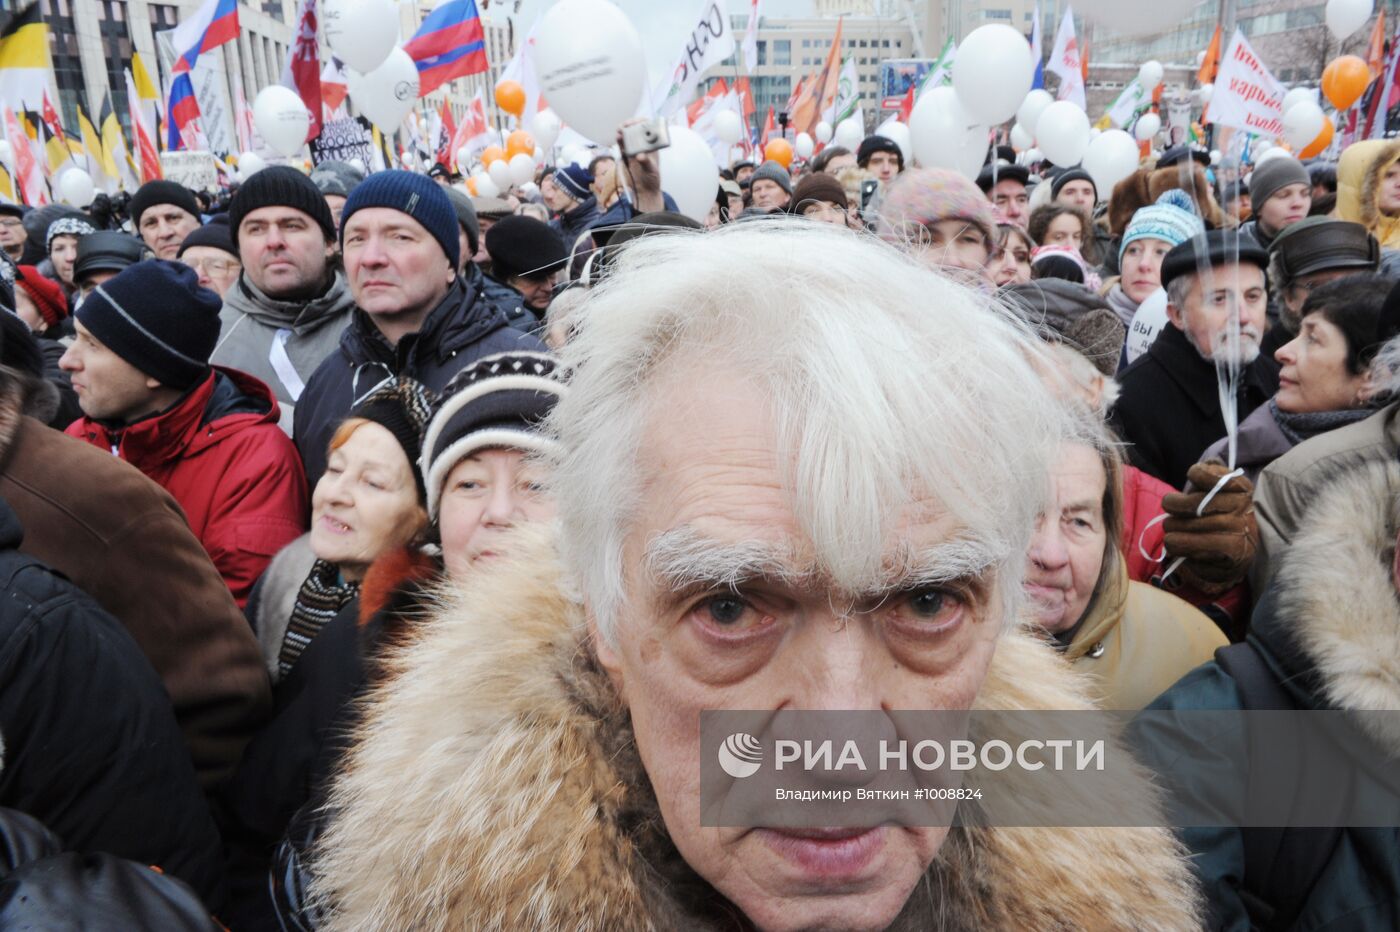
(222, 457)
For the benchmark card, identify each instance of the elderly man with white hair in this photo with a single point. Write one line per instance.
(817, 498)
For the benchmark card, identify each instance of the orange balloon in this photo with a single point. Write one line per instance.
(520, 142)
(1323, 140)
(510, 97)
(1344, 80)
(780, 151)
(471, 186)
(491, 155)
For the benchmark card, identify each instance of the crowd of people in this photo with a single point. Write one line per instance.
(370, 549)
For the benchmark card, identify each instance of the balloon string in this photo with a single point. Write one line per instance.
(1200, 512)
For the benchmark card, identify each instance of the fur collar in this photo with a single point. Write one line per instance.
(1371, 216)
(1336, 597)
(495, 785)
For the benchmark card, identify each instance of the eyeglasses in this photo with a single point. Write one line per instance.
(11, 222)
(212, 266)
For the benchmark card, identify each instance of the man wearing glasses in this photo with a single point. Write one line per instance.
(12, 231)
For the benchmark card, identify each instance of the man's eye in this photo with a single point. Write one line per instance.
(725, 610)
(928, 603)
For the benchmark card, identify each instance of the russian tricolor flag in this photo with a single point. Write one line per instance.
(449, 44)
(183, 110)
(213, 24)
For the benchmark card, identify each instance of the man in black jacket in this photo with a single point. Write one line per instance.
(416, 316)
(1169, 410)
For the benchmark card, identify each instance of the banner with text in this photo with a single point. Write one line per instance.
(1247, 96)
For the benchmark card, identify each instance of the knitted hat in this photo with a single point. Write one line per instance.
(497, 401)
(409, 193)
(1064, 312)
(1278, 172)
(280, 186)
(817, 188)
(524, 246)
(575, 180)
(107, 251)
(1073, 174)
(1172, 219)
(332, 177)
(877, 143)
(161, 192)
(772, 171)
(403, 407)
(66, 226)
(466, 218)
(215, 235)
(46, 294)
(1216, 247)
(156, 316)
(925, 196)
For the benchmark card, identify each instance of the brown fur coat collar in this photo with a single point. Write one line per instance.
(496, 785)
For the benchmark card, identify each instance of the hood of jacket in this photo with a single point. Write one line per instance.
(459, 320)
(526, 805)
(300, 317)
(226, 402)
(1334, 630)
(1386, 227)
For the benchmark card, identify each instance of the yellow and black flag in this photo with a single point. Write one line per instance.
(24, 59)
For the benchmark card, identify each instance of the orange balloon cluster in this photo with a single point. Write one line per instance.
(1344, 80)
(493, 154)
(510, 97)
(518, 143)
(778, 150)
(1318, 145)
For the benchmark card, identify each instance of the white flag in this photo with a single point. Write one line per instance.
(1064, 61)
(847, 94)
(1132, 100)
(709, 43)
(521, 69)
(751, 38)
(1247, 97)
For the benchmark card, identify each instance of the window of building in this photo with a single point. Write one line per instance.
(63, 50)
(806, 43)
(782, 52)
(862, 43)
(997, 14)
(762, 45)
(885, 43)
(273, 8)
(116, 49)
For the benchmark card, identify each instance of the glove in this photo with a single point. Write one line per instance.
(1218, 546)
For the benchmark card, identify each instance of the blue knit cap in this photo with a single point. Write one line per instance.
(575, 180)
(1172, 219)
(416, 195)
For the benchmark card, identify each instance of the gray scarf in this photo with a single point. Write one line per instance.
(1300, 427)
(298, 316)
(1122, 305)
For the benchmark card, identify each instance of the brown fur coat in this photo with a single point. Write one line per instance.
(496, 785)
(1145, 185)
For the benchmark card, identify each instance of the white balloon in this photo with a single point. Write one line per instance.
(1299, 95)
(249, 164)
(1028, 114)
(993, 72)
(591, 65)
(692, 178)
(1109, 159)
(1301, 123)
(1205, 92)
(76, 187)
(7, 151)
(1346, 16)
(485, 186)
(361, 33)
(499, 172)
(849, 133)
(1273, 152)
(1095, 133)
(1150, 74)
(1021, 139)
(545, 128)
(1215, 156)
(522, 168)
(1033, 156)
(281, 119)
(804, 146)
(1148, 125)
(464, 158)
(539, 155)
(1148, 321)
(898, 133)
(387, 94)
(823, 132)
(577, 155)
(407, 160)
(729, 127)
(359, 163)
(945, 135)
(1063, 133)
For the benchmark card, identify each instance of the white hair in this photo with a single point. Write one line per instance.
(885, 380)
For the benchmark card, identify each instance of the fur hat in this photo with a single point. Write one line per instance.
(1064, 312)
(1145, 186)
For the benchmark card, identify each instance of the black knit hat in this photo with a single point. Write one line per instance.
(216, 235)
(155, 315)
(524, 246)
(877, 143)
(497, 401)
(1071, 174)
(403, 407)
(161, 192)
(280, 186)
(106, 251)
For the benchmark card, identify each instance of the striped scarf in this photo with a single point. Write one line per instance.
(320, 599)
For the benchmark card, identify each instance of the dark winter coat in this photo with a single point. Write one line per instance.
(507, 300)
(1327, 630)
(460, 330)
(90, 744)
(220, 453)
(574, 223)
(122, 539)
(1169, 409)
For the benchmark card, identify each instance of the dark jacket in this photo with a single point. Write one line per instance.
(1325, 629)
(505, 299)
(622, 210)
(460, 330)
(122, 539)
(1169, 410)
(91, 747)
(220, 452)
(572, 224)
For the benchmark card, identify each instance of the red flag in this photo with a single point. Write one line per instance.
(1375, 48)
(334, 88)
(906, 106)
(31, 184)
(746, 109)
(446, 153)
(51, 120)
(829, 82)
(145, 146)
(474, 133)
(303, 71)
(697, 106)
(768, 128)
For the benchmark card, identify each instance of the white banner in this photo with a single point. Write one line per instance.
(194, 170)
(1126, 105)
(1064, 62)
(709, 43)
(1246, 95)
